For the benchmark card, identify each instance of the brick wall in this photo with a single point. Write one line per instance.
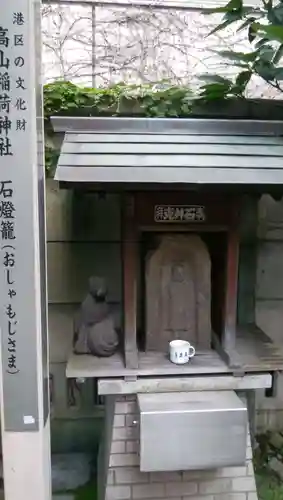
(125, 481)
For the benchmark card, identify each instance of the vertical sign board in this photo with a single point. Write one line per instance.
(23, 323)
(41, 213)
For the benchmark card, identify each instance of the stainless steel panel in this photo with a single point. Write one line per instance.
(171, 149)
(193, 430)
(182, 175)
(161, 161)
(167, 126)
(99, 138)
(190, 151)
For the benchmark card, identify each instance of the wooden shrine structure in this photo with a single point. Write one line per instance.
(188, 191)
(184, 185)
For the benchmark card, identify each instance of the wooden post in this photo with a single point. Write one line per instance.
(251, 403)
(130, 263)
(247, 261)
(230, 318)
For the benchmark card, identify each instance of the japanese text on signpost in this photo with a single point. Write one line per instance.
(12, 96)
(23, 324)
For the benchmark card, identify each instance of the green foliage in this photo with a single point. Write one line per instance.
(218, 88)
(264, 28)
(87, 492)
(269, 484)
(51, 159)
(65, 98)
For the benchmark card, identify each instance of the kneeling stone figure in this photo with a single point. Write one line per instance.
(94, 328)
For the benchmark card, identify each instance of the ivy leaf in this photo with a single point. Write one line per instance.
(278, 54)
(264, 28)
(213, 96)
(246, 23)
(245, 57)
(268, 4)
(273, 33)
(220, 27)
(217, 10)
(235, 4)
(230, 18)
(266, 53)
(275, 15)
(215, 91)
(215, 87)
(261, 42)
(233, 12)
(265, 70)
(278, 73)
(252, 33)
(215, 79)
(229, 7)
(243, 79)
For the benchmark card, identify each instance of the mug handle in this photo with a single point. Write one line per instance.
(193, 351)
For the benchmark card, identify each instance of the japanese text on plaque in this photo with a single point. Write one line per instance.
(12, 119)
(12, 90)
(179, 213)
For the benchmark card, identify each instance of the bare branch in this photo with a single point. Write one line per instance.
(134, 45)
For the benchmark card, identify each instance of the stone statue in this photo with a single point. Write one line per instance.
(94, 328)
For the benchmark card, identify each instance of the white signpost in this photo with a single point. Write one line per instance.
(23, 318)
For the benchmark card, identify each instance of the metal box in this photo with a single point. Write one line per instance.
(191, 430)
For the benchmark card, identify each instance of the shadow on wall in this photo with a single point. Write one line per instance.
(76, 435)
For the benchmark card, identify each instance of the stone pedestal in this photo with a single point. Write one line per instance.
(119, 476)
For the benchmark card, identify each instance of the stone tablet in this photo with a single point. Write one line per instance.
(178, 293)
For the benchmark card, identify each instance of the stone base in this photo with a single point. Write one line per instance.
(119, 476)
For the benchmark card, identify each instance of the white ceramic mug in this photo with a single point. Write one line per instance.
(181, 351)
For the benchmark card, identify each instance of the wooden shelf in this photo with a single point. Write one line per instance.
(253, 349)
(257, 351)
(149, 364)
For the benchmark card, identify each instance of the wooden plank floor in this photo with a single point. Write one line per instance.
(255, 351)
(150, 364)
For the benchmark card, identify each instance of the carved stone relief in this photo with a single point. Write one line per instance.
(178, 293)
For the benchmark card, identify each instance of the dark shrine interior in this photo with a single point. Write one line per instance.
(216, 243)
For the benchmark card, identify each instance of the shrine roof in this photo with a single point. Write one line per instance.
(165, 150)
